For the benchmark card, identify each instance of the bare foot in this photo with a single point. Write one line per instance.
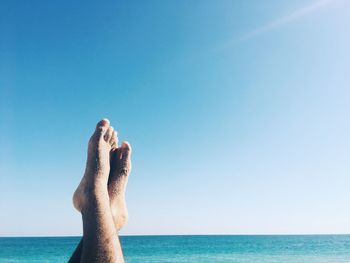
(118, 178)
(97, 166)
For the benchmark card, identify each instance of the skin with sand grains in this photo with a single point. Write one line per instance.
(100, 197)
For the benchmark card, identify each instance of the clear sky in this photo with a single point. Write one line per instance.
(237, 111)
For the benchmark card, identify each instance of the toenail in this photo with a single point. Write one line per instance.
(105, 121)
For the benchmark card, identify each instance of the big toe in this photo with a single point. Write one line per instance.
(101, 128)
(121, 161)
(125, 158)
(103, 122)
(126, 149)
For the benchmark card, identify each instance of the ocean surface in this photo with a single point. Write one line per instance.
(305, 249)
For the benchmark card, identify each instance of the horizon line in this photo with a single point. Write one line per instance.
(157, 235)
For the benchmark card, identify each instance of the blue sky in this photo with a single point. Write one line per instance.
(237, 111)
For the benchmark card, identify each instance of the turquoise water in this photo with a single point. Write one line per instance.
(305, 249)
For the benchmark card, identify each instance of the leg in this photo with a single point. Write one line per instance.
(100, 239)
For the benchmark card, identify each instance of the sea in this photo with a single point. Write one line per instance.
(201, 248)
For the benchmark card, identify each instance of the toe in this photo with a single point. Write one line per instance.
(114, 140)
(104, 122)
(125, 158)
(109, 134)
(101, 127)
(126, 149)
